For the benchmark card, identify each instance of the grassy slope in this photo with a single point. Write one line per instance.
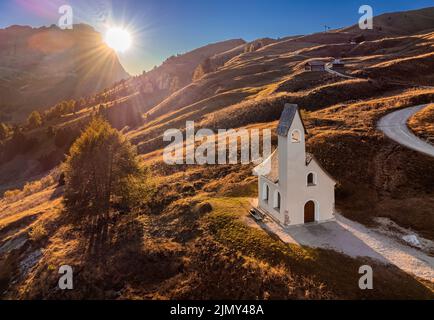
(276, 70)
(175, 248)
(183, 249)
(422, 124)
(199, 245)
(383, 179)
(338, 272)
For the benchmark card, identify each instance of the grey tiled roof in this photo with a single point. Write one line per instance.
(286, 119)
(309, 158)
(316, 63)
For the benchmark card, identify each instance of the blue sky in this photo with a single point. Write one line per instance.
(162, 28)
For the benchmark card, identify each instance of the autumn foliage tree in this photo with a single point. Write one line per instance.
(101, 169)
(4, 131)
(34, 120)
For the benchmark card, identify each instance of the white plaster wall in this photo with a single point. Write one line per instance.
(295, 172)
(322, 194)
(294, 190)
(283, 168)
(269, 205)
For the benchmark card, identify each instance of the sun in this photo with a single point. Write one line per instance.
(118, 39)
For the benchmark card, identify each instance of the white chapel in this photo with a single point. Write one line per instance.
(293, 187)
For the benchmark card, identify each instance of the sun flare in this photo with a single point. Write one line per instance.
(118, 39)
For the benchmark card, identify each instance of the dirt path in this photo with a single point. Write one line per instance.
(356, 240)
(394, 126)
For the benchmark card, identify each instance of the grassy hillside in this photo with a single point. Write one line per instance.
(401, 23)
(422, 124)
(194, 239)
(175, 73)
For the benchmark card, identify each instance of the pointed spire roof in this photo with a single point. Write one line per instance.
(287, 118)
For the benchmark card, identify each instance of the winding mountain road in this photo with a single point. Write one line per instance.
(394, 126)
(329, 69)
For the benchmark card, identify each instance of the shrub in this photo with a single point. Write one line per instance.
(39, 185)
(34, 120)
(11, 195)
(38, 233)
(32, 187)
(61, 108)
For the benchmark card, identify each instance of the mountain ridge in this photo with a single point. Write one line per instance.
(42, 66)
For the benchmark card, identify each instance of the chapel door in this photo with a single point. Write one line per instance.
(309, 212)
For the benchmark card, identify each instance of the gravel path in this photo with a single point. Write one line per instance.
(356, 240)
(394, 126)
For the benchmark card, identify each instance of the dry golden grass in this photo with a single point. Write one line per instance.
(192, 240)
(38, 233)
(333, 270)
(174, 247)
(422, 123)
(377, 177)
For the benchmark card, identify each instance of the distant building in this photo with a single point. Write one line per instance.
(315, 66)
(293, 187)
(337, 64)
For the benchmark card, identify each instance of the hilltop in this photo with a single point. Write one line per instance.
(401, 23)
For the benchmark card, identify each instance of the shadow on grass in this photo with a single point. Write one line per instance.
(117, 259)
(339, 272)
(342, 272)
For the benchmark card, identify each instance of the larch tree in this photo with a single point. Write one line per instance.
(34, 120)
(101, 168)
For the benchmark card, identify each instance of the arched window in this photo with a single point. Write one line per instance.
(277, 201)
(311, 179)
(296, 136)
(265, 192)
